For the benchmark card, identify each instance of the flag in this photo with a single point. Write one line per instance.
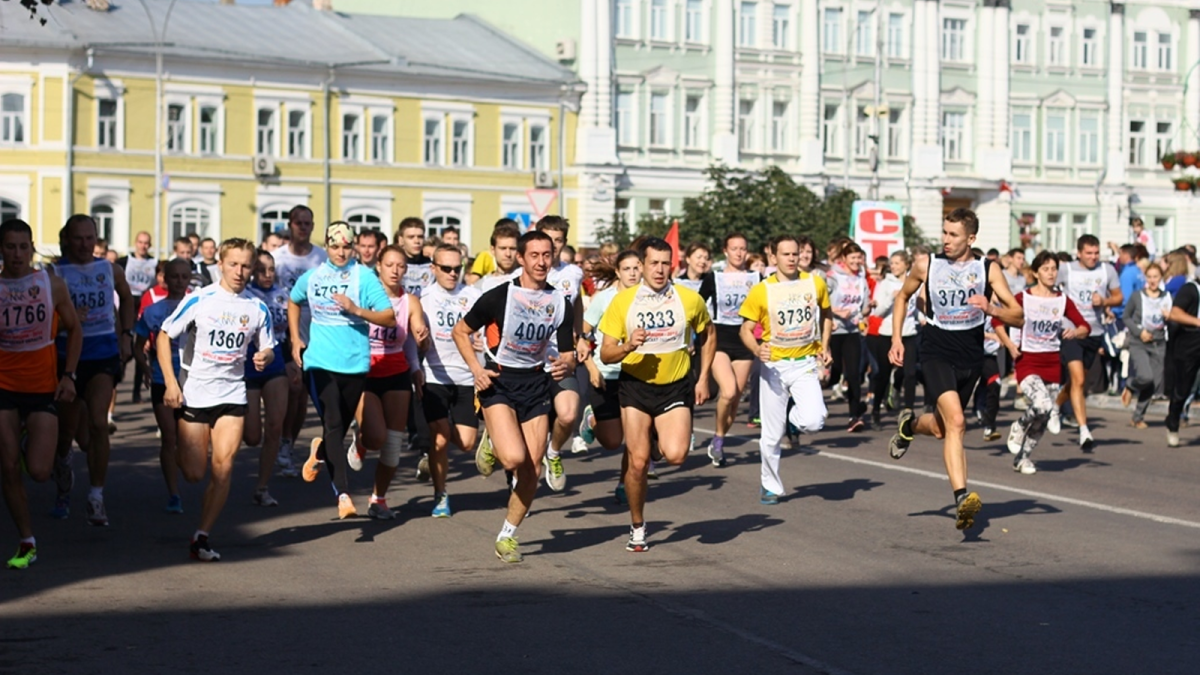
(672, 238)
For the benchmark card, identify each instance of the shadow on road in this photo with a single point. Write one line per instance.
(834, 492)
(993, 511)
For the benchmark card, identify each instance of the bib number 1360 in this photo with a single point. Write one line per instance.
(226, 339)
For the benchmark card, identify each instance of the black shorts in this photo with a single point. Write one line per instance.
(941, 377)
(210, 415)
(606, 403)
(382, 385)
(729, 342)
(257, 383)
(449, 402)
(86, 370)
(656, 399)
(526, 392)
(568, 383)
(1084, 350)
(157, 393)
(25, 404)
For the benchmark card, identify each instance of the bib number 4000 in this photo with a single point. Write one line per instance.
(533, 331)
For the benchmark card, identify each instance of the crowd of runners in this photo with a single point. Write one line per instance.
(403, 345)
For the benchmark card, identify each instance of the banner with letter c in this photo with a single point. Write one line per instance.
(878, 227)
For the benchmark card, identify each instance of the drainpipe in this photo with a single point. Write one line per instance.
(69, 187)
(328, 145)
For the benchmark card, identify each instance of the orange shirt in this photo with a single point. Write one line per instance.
(33, 372)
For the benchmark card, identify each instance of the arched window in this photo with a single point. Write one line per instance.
(186, 219)
(436, 224)
(271, 220)
(103, 215)
(9, 210)
(364, 222)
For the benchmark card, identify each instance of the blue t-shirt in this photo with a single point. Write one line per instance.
(337, 341)
(94, 296)
(1175, 283)
(1132, 280)
(148, 327)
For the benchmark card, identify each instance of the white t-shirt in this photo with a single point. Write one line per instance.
(288, 268)
(567, 279)
(444, 364)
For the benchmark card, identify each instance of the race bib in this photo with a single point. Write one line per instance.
(27, 314)
(326, 282)
(662, 316)
(950, 285)
(732, 289)
(531, 317)
(794, 313)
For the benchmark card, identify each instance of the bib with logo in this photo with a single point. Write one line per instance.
(531, 320)
(1042, 331)
(662, 316)
(140, 273)
(692, 284)
(26, 313)
(949, 286)
(92, 293)
(566, 278)
(1155, 311)
(794, 313)
(276, 300)
(1080, 284)
(417, 277)
(323, 284)
(732, 289)
(444, 310)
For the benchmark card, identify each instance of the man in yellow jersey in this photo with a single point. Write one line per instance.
(793, 309)
(647, 330)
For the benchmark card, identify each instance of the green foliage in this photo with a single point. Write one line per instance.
(622, 235)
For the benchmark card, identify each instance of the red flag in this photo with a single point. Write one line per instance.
(672, 238)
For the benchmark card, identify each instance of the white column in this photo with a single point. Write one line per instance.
(926, 69)
(595, 139)
(1000, 87)
(812, 158)
(724, 138)
(1115, 165)
(985, 91)
(926, 207)
(1191, 105)
(995, 220)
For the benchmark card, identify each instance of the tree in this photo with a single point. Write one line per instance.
(32, 6)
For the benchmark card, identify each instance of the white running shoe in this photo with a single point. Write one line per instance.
(352, 455)
(578, 446)
(1086, 442)
(1054, 424)
(1025, 466)
(1172, 439)
(1016, 438)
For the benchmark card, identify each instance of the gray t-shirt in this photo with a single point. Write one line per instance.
(1079, 282)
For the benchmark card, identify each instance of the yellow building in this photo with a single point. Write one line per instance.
(245, 111)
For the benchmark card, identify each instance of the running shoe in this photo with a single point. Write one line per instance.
(578, 446)
(637, 540)
(202, 551)
(96, 514)
(767, 498)
(856, 425)
(1025, 466)
(309, 472)
(264, 498)
(619, 495)
(442, 509)
(1139, 424)
(652, 471)
(346, 507)
(379, 510)
(968, 506)
(506, 550)
(62, 507)
(1016, 438)
(485, 461)
(63, 473)
(990, 434)
(353, 456)
(1054, 423)
(1070, 422)
(1086, 442)
(754, 423)
(587, 426)
(174, 504)
(716, 451)
(284, 458)
(1020, 404)
(556, 478)
(898, 445)
(26, 556)
(423, 474)
(1172, 439)
(112, 426)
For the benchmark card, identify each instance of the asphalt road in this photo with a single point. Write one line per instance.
(1090, 566)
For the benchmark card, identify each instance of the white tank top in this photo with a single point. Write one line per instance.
(662, 316)
(794, 313)
(1042, 331)
(92, 292)
(732, 289)
(949, 285)
(531, 321)
(140, 273)
(26, 313)
(444, 364)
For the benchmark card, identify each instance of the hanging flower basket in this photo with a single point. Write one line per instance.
(1185, 183)
(1168, 161)
(1186, 158)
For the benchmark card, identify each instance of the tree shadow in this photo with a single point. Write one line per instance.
(833, 492)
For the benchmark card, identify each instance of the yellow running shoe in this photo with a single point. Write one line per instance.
(967, 508)
(485, 460)
(506, 550)
(26, 556)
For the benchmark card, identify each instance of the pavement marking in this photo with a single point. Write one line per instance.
(1166, 520)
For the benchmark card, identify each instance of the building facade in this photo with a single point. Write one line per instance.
(1052, 112)
(375, 123)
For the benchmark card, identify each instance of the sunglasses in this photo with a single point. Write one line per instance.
(448, 269)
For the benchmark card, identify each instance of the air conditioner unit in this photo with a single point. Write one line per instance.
(264, 166)
(564, 50)
(543, 179)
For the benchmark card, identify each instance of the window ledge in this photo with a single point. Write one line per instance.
(1058, 70)
(957, 65)
(1023, 66)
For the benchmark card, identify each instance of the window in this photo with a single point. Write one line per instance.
(364, 222)
(829, 130)
(103, 215)
(176, 128)
(895, 133)
(1137, 142)
(1163, 233)
(1022, 136)
(1088, 55)
(746, 24)
(437, 224)
(658, 20)
(351, 136)
(539, 159)
(380, 138)
(624, 19)
(864, 45)
(658, 208)
(460, 143)
(433, 141)
(1056, 137)
(510, 146)
(106, 117)
(1164, 51)
(1089, 138)
(271, 220)
(895, 36)
(1056, 47)
(954, 125)
(954, 36)
(862, 133)
(694, 20)
(1055, 237)
(265, 139)
(297, 130)
(1163, 134)
(832, 27)
(9, 210)
(779, 126)
(185, 219)
(1140, 50)
(658, 119)
(691, 122)
(12, 118)
(1081, 224)
(746, 125)
(780, 27)
(1022, 44)
(208, 131)
(625, 130)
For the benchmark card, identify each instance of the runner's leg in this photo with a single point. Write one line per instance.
(226, 437)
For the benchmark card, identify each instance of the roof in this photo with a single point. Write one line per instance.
(464, 47)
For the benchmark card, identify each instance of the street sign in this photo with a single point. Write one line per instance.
(541, 200)
(524, 220)
(878, 227)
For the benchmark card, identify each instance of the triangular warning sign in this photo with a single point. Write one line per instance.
(541, 200)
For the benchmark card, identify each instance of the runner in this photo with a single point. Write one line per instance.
(410, 235)
(698, 261)
(208, 266)
(1036, 358)
(793, 310)
(645, 329)
(1092, 285)
(368, 244)
(725, 291)
(883, 302)
(177, 275)
(522, 319)
(602, 416)
(291, 261)
(267, 389)
(344, 298)
(395, 368)
(140, 268)
(1183, 360)
(850, 301)
(107, 342)
(567, 278)
(1145, 319)
(34, 307)
(959, 289)
(485, 263)
(504, 257)
(217, 325)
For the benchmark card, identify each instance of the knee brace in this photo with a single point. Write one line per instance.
(389, 456)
